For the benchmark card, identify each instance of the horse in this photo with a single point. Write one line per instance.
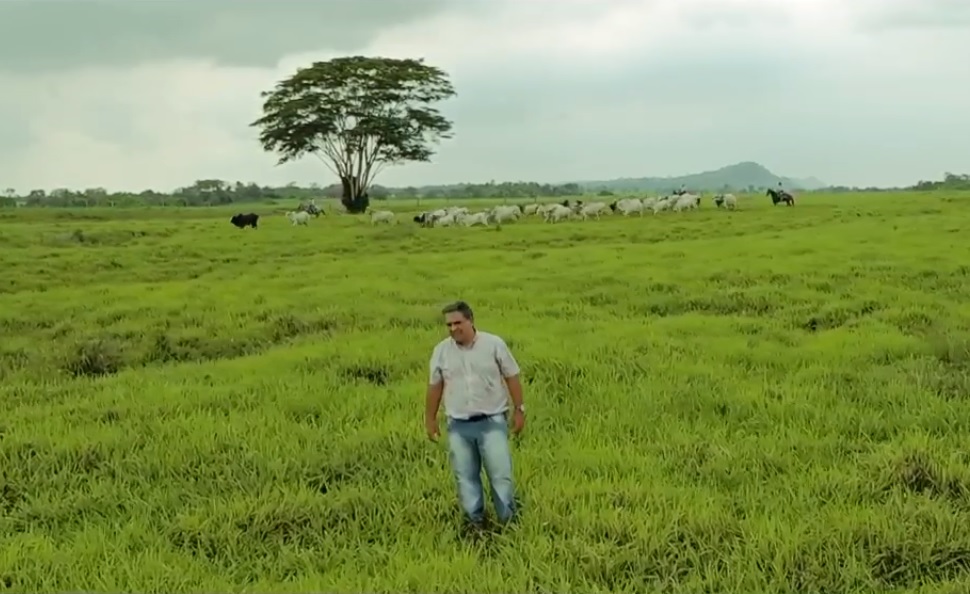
(780, 196)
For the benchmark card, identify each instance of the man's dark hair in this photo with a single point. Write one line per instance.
(461, 307)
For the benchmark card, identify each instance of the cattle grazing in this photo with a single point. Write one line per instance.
(663, 204)
(780, 196)
(545, 208)
(592, 209)
(298, 217)
(558, 213)
(381, 216)
(310, 208)
(686, 202)
(245, 220)
(446, 221)
(728, 201)
(501, 214)
(479, 218)
(427, 219)
(627, 206)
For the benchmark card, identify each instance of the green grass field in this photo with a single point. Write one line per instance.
(769, 400)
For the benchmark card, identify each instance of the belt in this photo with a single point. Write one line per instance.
(472, 419)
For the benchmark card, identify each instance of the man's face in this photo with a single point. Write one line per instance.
(459, 326)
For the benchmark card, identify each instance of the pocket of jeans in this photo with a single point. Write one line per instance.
(499, 419)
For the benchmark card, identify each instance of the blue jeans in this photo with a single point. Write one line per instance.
(477, 443)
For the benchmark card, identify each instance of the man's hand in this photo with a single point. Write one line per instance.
(431, 426)
(518, 422)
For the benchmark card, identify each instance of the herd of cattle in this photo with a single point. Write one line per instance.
(566, 210)
(549, 212)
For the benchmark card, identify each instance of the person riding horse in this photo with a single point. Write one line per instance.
(780, 195)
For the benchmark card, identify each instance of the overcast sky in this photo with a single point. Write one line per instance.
(158, 93)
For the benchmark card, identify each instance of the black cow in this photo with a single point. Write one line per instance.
(424, 219)
(245, 220)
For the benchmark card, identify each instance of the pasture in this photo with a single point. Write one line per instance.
(769, 400)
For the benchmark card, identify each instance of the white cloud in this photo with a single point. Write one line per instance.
(156, 125)
(910, 14)
(589, 90)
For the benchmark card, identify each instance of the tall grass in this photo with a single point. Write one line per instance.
(770, 400)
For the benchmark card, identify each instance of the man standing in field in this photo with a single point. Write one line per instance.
(476, 375)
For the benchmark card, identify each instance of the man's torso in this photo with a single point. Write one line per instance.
(473, 379)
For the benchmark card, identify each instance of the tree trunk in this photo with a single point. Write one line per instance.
(355, 201)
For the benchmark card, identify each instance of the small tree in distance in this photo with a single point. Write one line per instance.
(357, 114)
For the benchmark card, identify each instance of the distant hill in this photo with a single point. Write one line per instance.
(737, 177)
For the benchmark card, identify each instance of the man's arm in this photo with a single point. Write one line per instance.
(510, 371)
(433, 401)
(436, 385)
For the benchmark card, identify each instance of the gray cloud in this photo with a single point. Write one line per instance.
(889, 15)
(725, 13)
(14, 132)
(42, 35)
(591, 90)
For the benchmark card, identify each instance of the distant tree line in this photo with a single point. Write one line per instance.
(951, 182)
(214, 192)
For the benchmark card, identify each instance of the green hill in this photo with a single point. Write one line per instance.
(737, 177)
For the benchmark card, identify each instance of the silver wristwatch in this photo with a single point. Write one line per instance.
(521, 408)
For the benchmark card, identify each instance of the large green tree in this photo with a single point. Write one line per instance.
(357, 114)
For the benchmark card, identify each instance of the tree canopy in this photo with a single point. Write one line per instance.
(357, 114)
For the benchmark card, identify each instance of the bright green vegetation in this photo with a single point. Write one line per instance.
(771, 400)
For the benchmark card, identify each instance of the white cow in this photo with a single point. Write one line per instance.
(298, 217)
(428, 219)
(545, 208)
(446, 221)
(500, 214)
(479, 218)
(557, 213)
(686, 202)
(628, 206)
(381, 216)
(593, 209)
(728, 201)
(662, 204)
(530, 209)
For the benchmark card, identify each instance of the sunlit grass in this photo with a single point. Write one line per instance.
(769, 400)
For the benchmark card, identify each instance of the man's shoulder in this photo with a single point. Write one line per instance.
(441, 345)
(489, 338)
